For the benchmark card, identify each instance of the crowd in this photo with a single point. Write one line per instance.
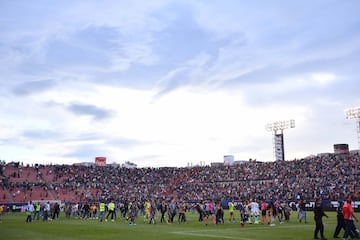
(168, 194)
(330, 177)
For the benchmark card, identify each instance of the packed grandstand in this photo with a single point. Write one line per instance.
(330, 177)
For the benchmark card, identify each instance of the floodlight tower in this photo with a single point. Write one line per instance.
(278, 129)
(354, 113)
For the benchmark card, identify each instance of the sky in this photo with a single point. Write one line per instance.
(175, 83)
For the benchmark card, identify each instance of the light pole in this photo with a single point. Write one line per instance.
(354, 113)
(278, 129)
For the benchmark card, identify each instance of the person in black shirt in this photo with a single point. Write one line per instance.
(163, 209)
(318, 214)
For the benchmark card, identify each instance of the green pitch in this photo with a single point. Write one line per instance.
(13, 226)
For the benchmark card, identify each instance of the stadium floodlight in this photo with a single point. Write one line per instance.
(278, 129)
(354, 113)
(280, 125)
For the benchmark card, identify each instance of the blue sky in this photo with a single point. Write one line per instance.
(167, 83)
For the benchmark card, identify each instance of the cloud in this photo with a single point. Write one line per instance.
(89, 110)
(86, 152)
(33, 87)
(41, 134)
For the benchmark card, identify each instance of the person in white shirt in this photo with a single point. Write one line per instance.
(29, 211)
(255, 211)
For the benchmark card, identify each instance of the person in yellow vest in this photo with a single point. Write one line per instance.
(147, 208)
(37, 211)
(101, 210)
(111, 207)
(231, 211)
(1, 212)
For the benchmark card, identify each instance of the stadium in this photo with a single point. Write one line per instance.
(133, 119)
(76, 192)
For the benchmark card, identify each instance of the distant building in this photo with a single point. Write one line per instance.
(355, 152)
(239, 162)
(86, 164)
(228, 160)
(341, 148)
(216, 164)
(129, 164)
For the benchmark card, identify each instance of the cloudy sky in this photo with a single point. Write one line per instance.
(168, 83)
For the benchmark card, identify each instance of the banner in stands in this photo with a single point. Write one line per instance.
(100, 161)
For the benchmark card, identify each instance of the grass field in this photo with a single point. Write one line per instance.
(13, 226)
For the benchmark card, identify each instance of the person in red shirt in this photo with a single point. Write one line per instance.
(349, 218)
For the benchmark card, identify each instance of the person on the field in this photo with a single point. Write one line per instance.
(101, 210)
(318, 215)
(255, 211)
(56, 211)
(243, 217)
(163, 210)
(219, 213)
(231, 211)
(46, 211)
(278, 211)
(340, 221)
(147, 209)
(152, 212)
(132, 210)
(171, 211)
(111, 207)
(182, 212)
(86, 211)
(29, 211)
(349, 217)
(302, 211)
(263, 212)
(200, 211)
(1, 212)
(37, 211)
(271, 213)
(207, 212)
